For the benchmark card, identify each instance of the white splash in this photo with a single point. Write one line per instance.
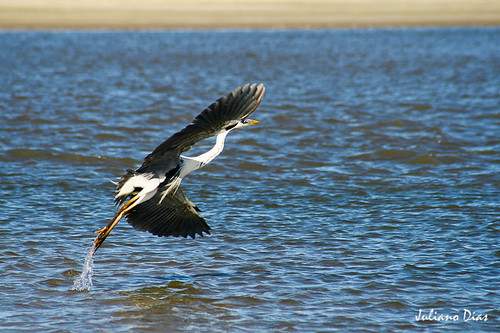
(83, 282)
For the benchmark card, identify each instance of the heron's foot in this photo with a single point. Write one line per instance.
(100, 230)
(104, 232)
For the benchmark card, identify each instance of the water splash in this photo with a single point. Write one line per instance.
(83, 282)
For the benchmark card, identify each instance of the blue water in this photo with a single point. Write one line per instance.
(367, 195)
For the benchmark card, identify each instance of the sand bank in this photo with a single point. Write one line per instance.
(169, 14)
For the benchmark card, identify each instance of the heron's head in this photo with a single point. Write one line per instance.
(241, 123)
(248, 122)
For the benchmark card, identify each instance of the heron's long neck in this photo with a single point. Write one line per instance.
(215, 151)
(193, 163)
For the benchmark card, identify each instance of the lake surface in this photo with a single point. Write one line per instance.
(367, 196)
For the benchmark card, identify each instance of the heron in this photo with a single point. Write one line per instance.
(150, 197)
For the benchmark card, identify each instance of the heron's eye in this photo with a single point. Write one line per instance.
(230, 127)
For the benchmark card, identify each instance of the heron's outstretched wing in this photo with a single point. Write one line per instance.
(237, 105)
(175, 216)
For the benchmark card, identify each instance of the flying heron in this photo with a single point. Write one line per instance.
(150, 197)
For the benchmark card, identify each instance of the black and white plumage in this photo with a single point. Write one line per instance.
(150, 196)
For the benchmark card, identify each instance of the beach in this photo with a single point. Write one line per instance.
(221, 14)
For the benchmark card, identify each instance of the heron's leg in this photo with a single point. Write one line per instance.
(104, 232)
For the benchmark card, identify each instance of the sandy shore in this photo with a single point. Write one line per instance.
(169, 14)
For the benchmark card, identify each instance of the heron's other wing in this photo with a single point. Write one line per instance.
(237, 105)
(175, 216)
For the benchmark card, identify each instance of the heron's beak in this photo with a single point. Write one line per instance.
(251, 122)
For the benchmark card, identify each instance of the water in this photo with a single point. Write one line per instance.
(368, 193)
(83, 282)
